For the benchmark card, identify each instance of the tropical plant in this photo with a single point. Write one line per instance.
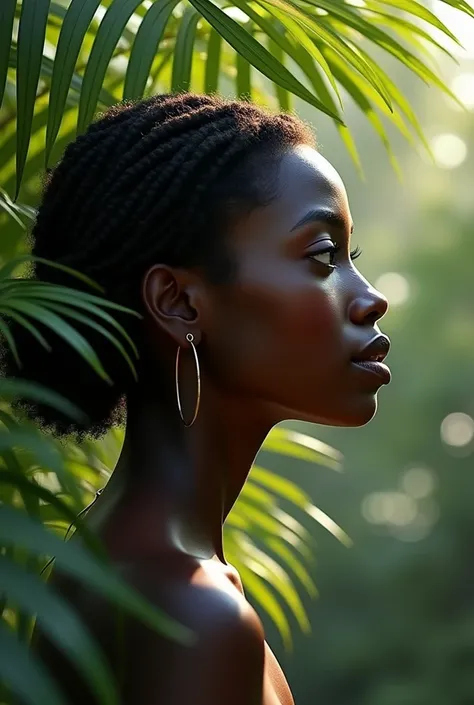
(82, 54)
(60, 62)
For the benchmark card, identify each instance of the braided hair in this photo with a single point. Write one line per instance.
(149, 181)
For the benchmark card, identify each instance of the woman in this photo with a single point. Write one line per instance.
(225, 228)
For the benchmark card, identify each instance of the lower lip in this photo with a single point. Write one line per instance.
(375, 368)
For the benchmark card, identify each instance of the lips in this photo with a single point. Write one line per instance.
(375, 351)
(370, 358)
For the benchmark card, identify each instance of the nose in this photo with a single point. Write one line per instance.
(368, 306)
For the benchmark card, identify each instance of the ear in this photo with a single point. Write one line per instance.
(174, 299)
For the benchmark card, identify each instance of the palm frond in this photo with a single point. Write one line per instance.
(145, 47)
(22, 674)
(28, 300)
(18, 529)
(329, 44)
(25, 543)
(31, 36)
(61, 624)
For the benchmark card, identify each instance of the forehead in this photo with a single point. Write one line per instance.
(306, 181)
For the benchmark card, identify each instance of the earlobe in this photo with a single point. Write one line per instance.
(169, 297)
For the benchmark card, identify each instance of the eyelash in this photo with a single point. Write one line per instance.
(354, 254)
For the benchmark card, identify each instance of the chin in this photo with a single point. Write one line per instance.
(350, 417)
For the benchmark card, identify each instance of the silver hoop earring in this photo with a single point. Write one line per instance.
(190, 339)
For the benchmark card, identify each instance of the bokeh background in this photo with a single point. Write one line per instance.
(394, 621)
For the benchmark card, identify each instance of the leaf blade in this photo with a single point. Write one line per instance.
(183, 50)
(31, 36)
(87, 320)
(76, 22)
(323, 33)
(16, 662)
(65, 331)
(283, 96)
(145, 47)
(7, 16)
(214, 50)
(108, 34)
(62, 626)
(256, 54)
(18, 529)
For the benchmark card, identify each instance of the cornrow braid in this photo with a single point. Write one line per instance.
(151, 181)
(189, 146)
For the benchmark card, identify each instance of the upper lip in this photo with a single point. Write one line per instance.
(375, 351)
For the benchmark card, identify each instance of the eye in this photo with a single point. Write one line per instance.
(325, 256)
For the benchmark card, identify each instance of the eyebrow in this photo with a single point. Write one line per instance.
(324, 215)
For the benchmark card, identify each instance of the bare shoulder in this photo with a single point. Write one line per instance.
(226, 662)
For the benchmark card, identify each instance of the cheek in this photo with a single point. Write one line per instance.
(283, 323)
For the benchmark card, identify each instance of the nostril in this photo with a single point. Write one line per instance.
(374, 316)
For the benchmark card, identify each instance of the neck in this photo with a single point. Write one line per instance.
(173, 486)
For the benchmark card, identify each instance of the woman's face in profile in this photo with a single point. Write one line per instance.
(287, 330)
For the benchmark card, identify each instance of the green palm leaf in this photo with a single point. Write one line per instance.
(286, 10)
(7, 16)
(108, 34)
(31, 299)
(280, 549)
(243, 83)
(28, 487)
(145, 47)
(64, 330)
(317, 30)
(71, 558)
(409, 31)
(299, 34)
(418, 10)
(59, 622)
(70, 297)
(16, 663)
(31, 34)
(262, 594)
(284, 97)
(32, 598)
(183, 51)
(106, 99)
(74, 27)
(357, 93)
(88, 321)
(461, 5)
(301, 446)
(14, 210)
(311, 69)
(256, 54)
(214, 49)
(30, 439)
(268, 569)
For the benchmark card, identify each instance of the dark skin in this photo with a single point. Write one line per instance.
(275, 342)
